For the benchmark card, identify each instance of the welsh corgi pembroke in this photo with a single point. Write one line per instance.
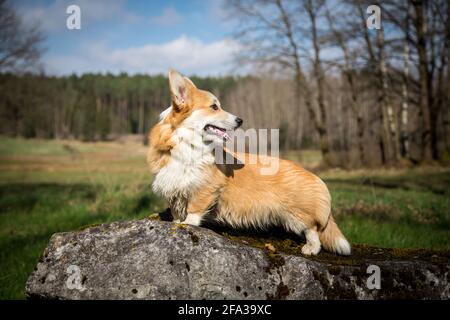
(181, 157)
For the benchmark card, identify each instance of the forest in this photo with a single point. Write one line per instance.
(91, 107)
(363, 97)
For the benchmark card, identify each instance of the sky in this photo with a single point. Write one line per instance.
(134, 36)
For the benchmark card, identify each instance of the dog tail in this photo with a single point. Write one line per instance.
(333, 240)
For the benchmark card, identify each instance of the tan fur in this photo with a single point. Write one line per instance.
(241, 196)
(247, 198)
(329, 234)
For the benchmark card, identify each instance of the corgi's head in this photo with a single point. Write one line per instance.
(198, 110)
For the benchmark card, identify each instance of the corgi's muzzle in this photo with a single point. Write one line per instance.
(222, 132)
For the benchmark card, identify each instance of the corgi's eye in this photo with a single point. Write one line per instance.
(214, 107)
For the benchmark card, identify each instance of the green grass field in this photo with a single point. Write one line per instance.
(57, 186)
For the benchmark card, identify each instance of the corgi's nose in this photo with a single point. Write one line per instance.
(239, 122)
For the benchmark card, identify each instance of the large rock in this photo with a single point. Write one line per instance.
(149, 259)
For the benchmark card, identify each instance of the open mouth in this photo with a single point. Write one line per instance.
(220, 132)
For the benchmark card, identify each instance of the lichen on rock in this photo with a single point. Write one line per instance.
(153, 259)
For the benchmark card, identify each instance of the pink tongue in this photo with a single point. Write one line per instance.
(221, 133)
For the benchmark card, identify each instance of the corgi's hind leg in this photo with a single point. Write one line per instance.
(312, 246)
(300, 225)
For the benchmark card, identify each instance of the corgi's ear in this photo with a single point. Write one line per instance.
(180, 89)
(190, 82)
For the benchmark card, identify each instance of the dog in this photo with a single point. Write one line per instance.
(186, 174)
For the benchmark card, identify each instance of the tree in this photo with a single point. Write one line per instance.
(405, 88)
(424, 78)
(272, 33)
(19, 43)
(424, 27)
(339, 35)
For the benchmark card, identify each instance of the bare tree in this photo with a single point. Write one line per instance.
(405, 88)
(270, 32)
(377, 63)
(19, 43)
(393, 81)
(446, 117)
(389, 115)
(339, 36)
(427, 43)
(419, 21)
(313, 10)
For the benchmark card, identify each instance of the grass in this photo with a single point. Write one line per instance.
(50, 186)
(56, 186)
(403, 208)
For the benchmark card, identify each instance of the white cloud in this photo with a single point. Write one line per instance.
(189, 55)
(169, 17)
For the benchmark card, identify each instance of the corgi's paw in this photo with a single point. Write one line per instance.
(309, 249)
(176, 221)
(193, 219)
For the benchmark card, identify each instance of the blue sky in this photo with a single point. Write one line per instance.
(135, 36)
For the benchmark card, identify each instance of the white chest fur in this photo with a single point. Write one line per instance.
(185, 172)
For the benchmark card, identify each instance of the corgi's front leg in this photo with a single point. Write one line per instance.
(198, 206)
(178, 207)
(193, 219)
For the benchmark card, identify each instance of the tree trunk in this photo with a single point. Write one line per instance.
(384, 145)
(424, 80)
(447, 116)
(349, 75)
(389, 119)
(356, 111)
(405, 94)
(320, 81)
(446, 111)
